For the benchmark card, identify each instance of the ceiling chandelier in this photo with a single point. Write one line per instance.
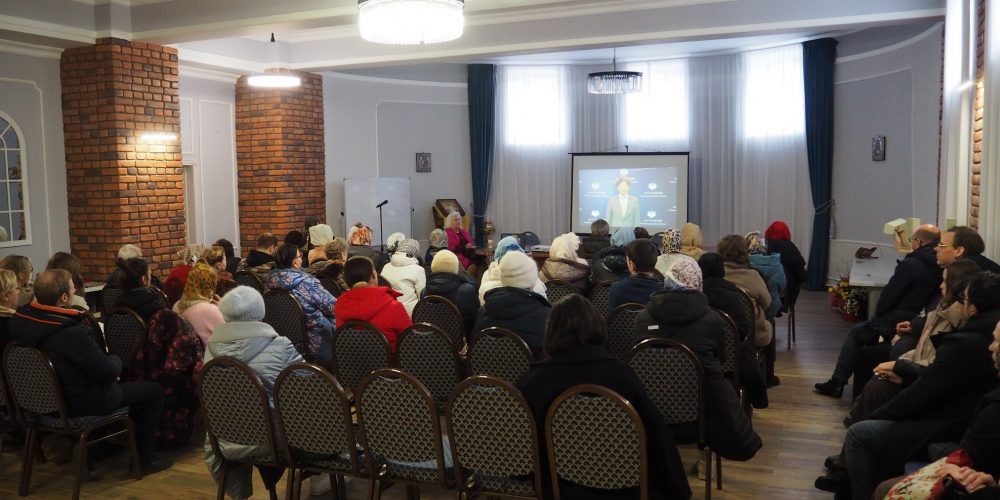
(614, 81)
(410, 22)
(275, 79)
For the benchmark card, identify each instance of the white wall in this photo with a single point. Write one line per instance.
(30, 94)
(374, 128)
(891, 89)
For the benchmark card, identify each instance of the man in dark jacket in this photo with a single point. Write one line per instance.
(260, 260)
(913, 283)
(937, 406)
(641, 282)
(597, 241)
(86, 375)
(962, 242)
(445, 282)
(514, 306)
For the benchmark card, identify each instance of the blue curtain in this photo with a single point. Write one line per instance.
(818, 59)
(482, 117)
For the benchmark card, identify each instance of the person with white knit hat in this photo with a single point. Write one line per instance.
(405, 274)
(514, 305)
(319, 236)
(444, 281)
(245, 337)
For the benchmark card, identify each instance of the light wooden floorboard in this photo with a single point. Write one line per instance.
(799, 429)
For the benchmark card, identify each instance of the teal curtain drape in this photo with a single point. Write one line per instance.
(818, 59)
(482, 118)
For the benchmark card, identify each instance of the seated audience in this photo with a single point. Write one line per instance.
(232, 261)
(318, 260)
(962, 242)
(360, 239)
(598, 240)
(246, 337)
(610, 264)
(438, 241)
(87, 376)
(444, 281)
(681, 312)
(137, 295)
(392, 242)
(71, 264)
(723, 295)
(914, 281)
(216, 258)
(574, 343)
(691, 240)
(198, 302)
(336, 253)
(491, 278)
(405, 274)
(563, 263)
(514, 305)
(736, 262)
(769, 267)
(173, 286)
(317, 303)
(779, 241)
(130, 251)
(641, 283)
(260, 260)
(21, 267)
(366, 301)
(8, 303)
(461, 244)
(319, 236)
(934, 408)
(641, 233)
(671, 251)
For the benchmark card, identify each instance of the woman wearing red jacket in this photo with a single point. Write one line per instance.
(366, 301)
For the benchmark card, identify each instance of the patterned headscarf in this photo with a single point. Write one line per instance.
(439, 239)
(622, 237)
(756, 244)
(683, 274)
(361, 236)
(393, 240)
(200, 286)
(505, 245)
(190, 253)
(671, 241)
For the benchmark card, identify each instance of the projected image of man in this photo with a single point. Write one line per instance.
(623, 209)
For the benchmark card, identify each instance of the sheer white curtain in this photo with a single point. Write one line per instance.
(736, 114)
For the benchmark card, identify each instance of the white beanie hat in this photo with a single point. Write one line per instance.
(320, 235)
(518, 270)
(242, 304)
(445, 261)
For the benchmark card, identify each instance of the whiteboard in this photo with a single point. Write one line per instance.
(362, 195)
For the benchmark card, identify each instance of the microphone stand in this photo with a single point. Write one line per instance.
(381, 230)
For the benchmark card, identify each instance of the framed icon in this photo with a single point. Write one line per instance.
(423, 162)
(878, 148)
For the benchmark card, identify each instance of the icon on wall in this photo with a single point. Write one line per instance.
(423, 162)
(878, 148)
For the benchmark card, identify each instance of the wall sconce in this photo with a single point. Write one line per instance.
(157, 136)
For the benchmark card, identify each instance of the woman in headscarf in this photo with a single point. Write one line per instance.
(769, 266)
(681, 312)
(319, 236)
(563, 263)
(216, 258)
(336, 254)
(360, 240)
(611, 264)
(405, 274)
(438, 241)
(173, 286)
(671, 251)
(691, 240)
(491, 278)
(779, 241)
(198, 303)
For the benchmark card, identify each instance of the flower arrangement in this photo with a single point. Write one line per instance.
(850, 301)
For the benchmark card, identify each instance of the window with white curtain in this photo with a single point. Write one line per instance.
(659, 113)
(774, 98)
(536, 106)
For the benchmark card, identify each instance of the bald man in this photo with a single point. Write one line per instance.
(911, 288)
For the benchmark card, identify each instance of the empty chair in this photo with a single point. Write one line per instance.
(122, 329)
(425, 352)
(529, 239)
(595, 439)
(388, 401)
(38, 396)
(285, 315)
(556, 290)
(314, 412)
(600, 296)
(494, 440)
(442, 313)
(358, 349)
(621, 329)
(248, 278)
(501, 353)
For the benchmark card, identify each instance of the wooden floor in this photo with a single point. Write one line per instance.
(799, 430)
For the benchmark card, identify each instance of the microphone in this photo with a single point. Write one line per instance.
(380, 204)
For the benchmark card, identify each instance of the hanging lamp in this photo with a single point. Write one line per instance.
(276, 79)
(614, 81)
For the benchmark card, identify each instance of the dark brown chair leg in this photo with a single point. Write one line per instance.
(221, 495)
(718, 471)
(30, 445)
(79, 464)
(412, 492)
(708, 473)
(290, 485)
(134, 450)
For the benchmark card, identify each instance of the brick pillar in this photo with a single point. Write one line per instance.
(280, 157)
(977, 129)
(122, 189)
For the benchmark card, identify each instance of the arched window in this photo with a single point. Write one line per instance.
(14, 226)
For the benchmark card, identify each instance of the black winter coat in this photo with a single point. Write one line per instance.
(145, 301)
(938, 405)
(685, 316)
(521, 311)
(982, 439)
(636, 289)
(87, 375)
(724, 295)
(913, 283)
(459, 291)
(794, 265)
(593, 365)
(590, 246)
(608, 265)
(984, 263)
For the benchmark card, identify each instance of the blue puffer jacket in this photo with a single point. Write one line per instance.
(317, 305)
(771, 269)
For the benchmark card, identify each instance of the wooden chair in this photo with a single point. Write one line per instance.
(425, 352)
(556, 290)
(500, 353)
(389, 400)
(358, 349)
(596, 439)
(600, 296)
(494, 440)
(675, 380)
(248, 278)
(237, 412)
(442, 313)
(284, 313)
(314, 412)
(621, 329)
(122, 329)
(39, 401)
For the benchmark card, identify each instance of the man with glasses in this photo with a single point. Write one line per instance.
(963, 242)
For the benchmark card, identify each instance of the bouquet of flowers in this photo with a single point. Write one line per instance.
(850, 301)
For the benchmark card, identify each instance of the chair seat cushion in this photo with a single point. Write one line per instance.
(506, 485)
(422, 471)
(75, 422)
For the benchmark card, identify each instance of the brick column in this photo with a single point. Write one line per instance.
(122, 189)
(977, 127)
(280, 156)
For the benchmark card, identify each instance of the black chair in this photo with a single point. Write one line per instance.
(600, 296)
(442, 313)
(330, 285)
(529, 239)
(556, 290)
(358, 349)
(122, 329)
(734, 350)
(749, 307)
(596, 439)
(38, 395)
(621, 329)
(109, 299)
(425, 352)
(791, 323)
(494, 440)
(248, 278)
(96, 330)
(237, 412)
(284, 313)
(500, 353)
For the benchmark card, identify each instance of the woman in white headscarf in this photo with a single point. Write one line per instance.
(491, 278)
(563, 263)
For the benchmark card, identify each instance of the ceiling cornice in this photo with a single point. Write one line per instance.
(28, 49)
